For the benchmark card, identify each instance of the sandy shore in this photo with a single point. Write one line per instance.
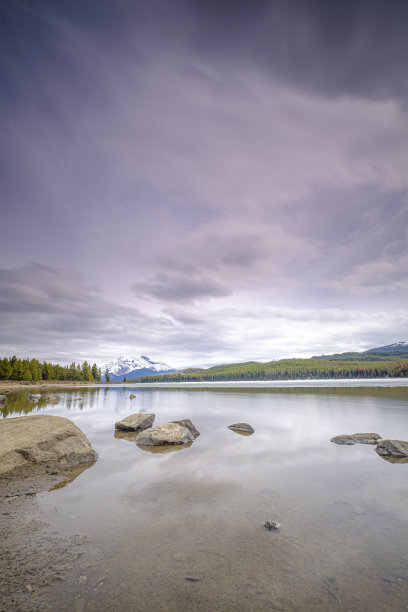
(31, 560)
(15, 385)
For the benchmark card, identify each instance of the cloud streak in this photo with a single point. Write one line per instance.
(166, 169)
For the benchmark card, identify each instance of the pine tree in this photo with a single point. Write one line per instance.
(59, 372)
(26, 370)
(47, 371)
(35, 369)
(107, 375)
(95, 373)
(86, 373)
(5, 369)
(17, 370)
(72, 372)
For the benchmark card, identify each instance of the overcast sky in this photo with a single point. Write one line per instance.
(202, 182)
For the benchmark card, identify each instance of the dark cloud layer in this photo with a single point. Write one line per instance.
(172, 167)
(354, 46)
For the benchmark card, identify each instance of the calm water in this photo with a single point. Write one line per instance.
(155, 518)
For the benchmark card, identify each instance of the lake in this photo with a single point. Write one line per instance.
(183, 529)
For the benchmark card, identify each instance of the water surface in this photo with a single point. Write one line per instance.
(157, 519)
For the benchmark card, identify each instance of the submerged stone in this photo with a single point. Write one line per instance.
(272, 525)
(242, 428)
(33, 397)
(136, 422)
(168, 433)
(393, 448)
(357, 438)
(52, 399)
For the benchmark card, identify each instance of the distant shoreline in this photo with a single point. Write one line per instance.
(297, 382)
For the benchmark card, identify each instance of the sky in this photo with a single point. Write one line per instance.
(202, 182)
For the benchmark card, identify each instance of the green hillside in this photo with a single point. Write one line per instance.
(348, 366)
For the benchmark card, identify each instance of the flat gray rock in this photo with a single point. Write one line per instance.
(42, 439)
(187, 423)
(392, 448)
(136, 422)
(3, 398)
(168, 433)
(357, 438)
(242, 427)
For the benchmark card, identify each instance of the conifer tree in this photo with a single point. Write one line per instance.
(95, 373)
(5, 369)
(35, 369)
(86, 373)
(72, 372)
(26, 372)
(17, 370)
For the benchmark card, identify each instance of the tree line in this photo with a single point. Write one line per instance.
(289, 369)
(33, 370)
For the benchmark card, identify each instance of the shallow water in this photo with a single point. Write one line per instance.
(157, 519)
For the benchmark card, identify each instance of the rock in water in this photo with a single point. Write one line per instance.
(132, 396)
(33, 397)
(272, 525)
(244, 427)
(42, 439)
(169, 433)
(187, 423)
(359, 438)
(136, 422)
(52, 399)
(3, 398)
(392, 448)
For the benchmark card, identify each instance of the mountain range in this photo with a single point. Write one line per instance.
(134, 367)
(141, 366)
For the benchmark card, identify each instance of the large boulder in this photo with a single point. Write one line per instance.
(187, 423)
(42, 439)
(136, 422)
(169, 433)
(392, 448)
(359, 438)
(242, 428)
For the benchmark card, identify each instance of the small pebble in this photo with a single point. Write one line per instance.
(272, 526)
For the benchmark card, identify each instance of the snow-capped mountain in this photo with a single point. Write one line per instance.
(134, 367)
(396, 347)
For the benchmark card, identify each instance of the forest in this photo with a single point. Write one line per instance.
(291, 369)
(33, 370)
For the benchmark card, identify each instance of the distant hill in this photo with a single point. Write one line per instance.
(134, 368)
(390, 351)
(398, 348)
(383, 362)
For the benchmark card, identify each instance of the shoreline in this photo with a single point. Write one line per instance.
(32, 559)
(289, 383)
